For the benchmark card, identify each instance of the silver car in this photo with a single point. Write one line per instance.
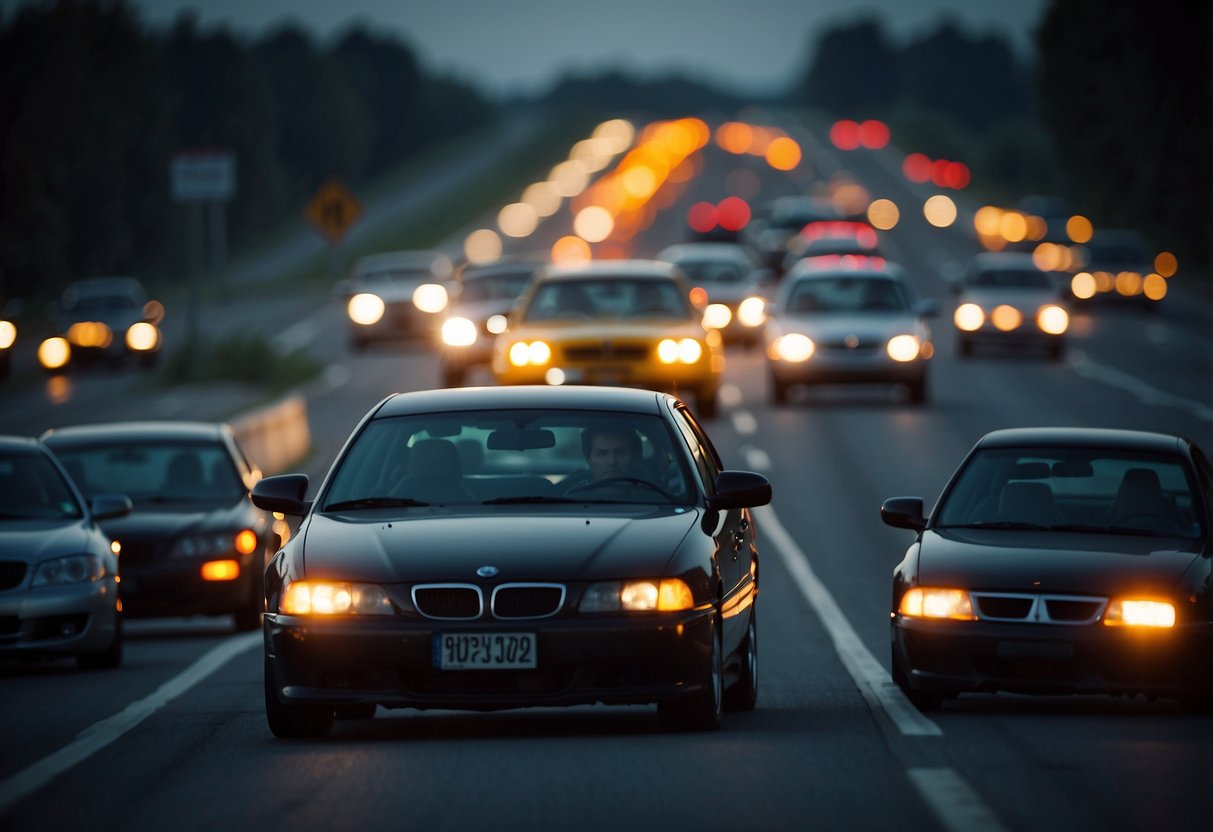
(848, 325)
(1006, 301)
(396, 295)
(58, 570)
(736, 286)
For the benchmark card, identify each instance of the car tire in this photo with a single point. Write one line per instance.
(702, 711)
(742, 695)
(292, 722)
(923, 700)
(108, 658)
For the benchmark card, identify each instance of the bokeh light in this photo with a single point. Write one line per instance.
(940, 211)
(783, 153)
(883, 214)
(518, 219)
(1166, 264)
(570, 249)
(482, 246)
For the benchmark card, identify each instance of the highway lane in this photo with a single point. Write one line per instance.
(816, 752)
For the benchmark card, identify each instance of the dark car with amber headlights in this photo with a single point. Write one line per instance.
(1059, 561)
(58, 569)
(194, 544)
(467, 551)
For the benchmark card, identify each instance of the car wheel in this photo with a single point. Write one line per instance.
(107, 658)
(923, 700)
(702, 711)
(742, 695)
(293, 721)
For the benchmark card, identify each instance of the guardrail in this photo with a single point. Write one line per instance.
(277, 437)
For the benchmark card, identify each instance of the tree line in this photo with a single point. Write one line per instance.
(94, 104)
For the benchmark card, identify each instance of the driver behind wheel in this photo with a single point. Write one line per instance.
(610, 451)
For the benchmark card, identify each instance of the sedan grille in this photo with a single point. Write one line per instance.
(527, 600)
(451, 602)
(1038, 609)
(606, 351)
(11, 573)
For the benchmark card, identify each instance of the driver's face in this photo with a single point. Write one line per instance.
(610, 456)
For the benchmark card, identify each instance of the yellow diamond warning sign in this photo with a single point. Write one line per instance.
(333, 210)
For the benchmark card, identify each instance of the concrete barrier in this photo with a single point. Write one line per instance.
(276, 437)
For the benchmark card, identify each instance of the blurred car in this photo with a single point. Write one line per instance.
(860, 324)
(1006, 301)
(1118, 267)
(1059, 561)
(396, 295)
(481, 298)
(58, 571)
(628, 323)
(736, 286)
(836, 238)
(194, 544)
(103, 318)
(781, 220)
(445, 563)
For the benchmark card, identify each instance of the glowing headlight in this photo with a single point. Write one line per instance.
(931, 602)
(751, 312)
(1083, 285)
(332, 598)
(458, 332)
(496, 324)
(682, 351)
(1006, 318)
(70, 570)
(717, 316)
(903, 348)
(664, 595)
(1139, 612)
(793, 347)
(54, 353)
(430, 297)
(365, 308)
(533, 353)
(1052, 319)
(969, 317)
(90, 334)
(8, 334)
(142, 337)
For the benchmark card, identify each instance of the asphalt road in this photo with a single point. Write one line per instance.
(177, 738)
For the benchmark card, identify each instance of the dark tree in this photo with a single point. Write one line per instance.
(854, 71)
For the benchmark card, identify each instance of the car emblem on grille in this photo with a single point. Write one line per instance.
(487, 571)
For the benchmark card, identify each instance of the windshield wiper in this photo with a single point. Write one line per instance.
(375, 502)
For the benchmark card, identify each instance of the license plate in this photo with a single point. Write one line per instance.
(481, 651)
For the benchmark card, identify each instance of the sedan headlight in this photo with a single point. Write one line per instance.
(365, 308)
(661, 595)
(54, 352)
(1139, 612)
(458, 332)
(334, 598)
(717, 316)
(903, 348)
(969, 317)
(74, 569)
(142, 337)
(210, 544)
(1006, 317)
(937, 602)
(793, 347)
(682, 351)
(430, 297)
(8, 334)
(751, 312)
(533, 353)
(1052, 319)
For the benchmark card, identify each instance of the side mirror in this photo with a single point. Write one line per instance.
(107, 506)
(283, 494)
(904, 513)
(740, 489)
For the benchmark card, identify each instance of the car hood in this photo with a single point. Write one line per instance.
(1028, 300)
(169, 521)
(522, 546)
(606, 330)
(1063, 562)
(32, 541)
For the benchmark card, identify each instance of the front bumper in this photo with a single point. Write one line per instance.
(176, 587)
(68, 620)
(581, 660)
(844, 368)
(1052, 659)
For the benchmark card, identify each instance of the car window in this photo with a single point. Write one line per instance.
(1094, 490)
(707, 461)
(155, 472)
(31, 487)
(482, 456)
(846, 294)
(611, 299)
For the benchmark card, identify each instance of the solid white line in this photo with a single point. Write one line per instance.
(1082, 364)
(873, 682)
(957, 806)
(98, 736)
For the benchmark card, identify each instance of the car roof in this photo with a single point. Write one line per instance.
(20, 444)
(650, 269)
(523, 397)
(810, 271)
(714, 249)
(136, 432)
(1084, 438)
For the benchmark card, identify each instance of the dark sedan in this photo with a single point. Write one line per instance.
(58, 569)
(1060, 561)
(489, 548)
(195, 544)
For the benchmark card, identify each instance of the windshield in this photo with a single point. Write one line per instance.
(846, 295)
(502, 457)
(613, 299)
(153, 473)
(1074, 490)
(31, 487)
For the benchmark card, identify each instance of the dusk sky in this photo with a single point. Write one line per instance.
(523, 45)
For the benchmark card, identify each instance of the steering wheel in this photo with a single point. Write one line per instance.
(609, 481)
